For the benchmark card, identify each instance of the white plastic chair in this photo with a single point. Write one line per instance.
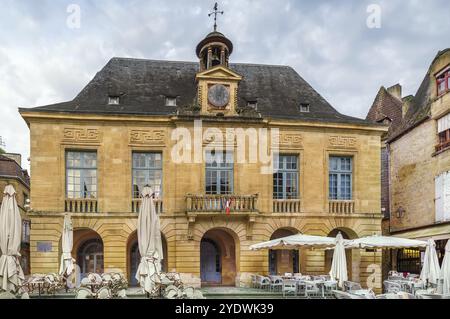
(289, 287)
(276, 282)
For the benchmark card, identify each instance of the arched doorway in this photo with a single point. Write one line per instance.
(218, 255)
(134, 257)
(88, 252)
(90, 257)
(283, 261)
(351, 257)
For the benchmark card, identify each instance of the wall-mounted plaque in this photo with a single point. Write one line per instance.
(44, 246)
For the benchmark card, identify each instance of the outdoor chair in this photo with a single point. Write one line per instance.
(288, 274)
(104, 293)
(312, 290)
(301, 288)
(289, 287)
(276, 283)
(341, 294)
(393, 273)
(350, 285)
(391, 286)
(253, 282)
(263, 282)
(328, 287)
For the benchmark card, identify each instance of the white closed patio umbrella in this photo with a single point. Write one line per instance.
(445, 270)
(430, 270)
(338, 270)
(150, 243)
(11, 274)
(67, 267)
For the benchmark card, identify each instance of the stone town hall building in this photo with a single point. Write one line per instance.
(91, 156)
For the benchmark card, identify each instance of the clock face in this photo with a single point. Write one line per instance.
(218, 95)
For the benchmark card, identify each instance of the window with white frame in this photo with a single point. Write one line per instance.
(147, 170)
(442, 197)
(340, 177)
(285, 178)
(171, 101)
(219, 173)
(113, 100)
(81, 174)
(443, 125)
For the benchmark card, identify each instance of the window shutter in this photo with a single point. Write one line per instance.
(444, 123)
(439, 200)
(446, 208)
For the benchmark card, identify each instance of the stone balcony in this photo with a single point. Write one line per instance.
(196, 203)
(136, 203)
(286, 206)
(341, 207)
(81, 205)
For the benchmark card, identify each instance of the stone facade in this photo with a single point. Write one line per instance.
(415, 163)
(191, 221)
(115, 140)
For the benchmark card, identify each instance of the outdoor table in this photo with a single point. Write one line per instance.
(94, 286)
(40, 285)
(362, 292)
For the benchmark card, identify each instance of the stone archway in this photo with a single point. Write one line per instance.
(218, 258)
(283, 261)
(352, 255)
(134, 257)
(88, 251)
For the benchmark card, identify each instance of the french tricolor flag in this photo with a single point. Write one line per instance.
(228, 206)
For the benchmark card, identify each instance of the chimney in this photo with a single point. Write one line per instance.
(407, 101)
(396, 91)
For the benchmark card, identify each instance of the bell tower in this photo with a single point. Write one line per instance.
(215, 48)
(217, 83)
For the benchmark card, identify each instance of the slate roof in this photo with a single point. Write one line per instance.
(385, 106)
(144, 84)
(9, 168)
(419, 106)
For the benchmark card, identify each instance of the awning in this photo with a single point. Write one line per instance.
(435, 232)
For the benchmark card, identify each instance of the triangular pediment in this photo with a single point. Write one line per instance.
(219, 72)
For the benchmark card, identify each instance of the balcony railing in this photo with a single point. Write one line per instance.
(341, 206)
(286, 206)
(136, 204)
(218, 203)
(81, 205)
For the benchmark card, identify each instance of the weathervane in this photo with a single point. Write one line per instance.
(215, 12)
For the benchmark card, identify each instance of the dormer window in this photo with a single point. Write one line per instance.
(171, 101)
(304, 107)
(443, 81)
(113, 100)
(252, 104)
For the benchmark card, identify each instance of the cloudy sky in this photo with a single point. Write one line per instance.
(44, 59)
